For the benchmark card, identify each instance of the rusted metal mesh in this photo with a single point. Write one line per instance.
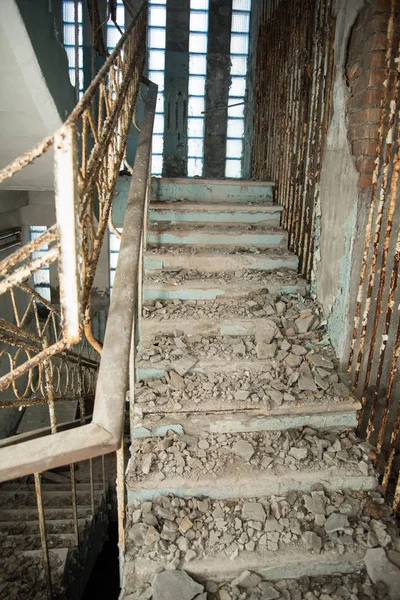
(93, 139)
(375, 347)
(293, 84)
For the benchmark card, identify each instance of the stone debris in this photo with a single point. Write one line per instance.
(275, 524)
(277, 452)
(183, 364)
(171, 585)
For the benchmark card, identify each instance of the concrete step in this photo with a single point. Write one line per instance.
(53, 526)
(211, 190)
(33, 542)
(214, 260)
(51, 498)
(29, 514)
(293, 535)
(229, 213)
(228, 465)
(197, 286)
(208, 235)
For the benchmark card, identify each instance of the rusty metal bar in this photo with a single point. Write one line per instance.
(43, 536)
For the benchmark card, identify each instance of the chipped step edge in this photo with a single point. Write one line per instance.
(219, 261)
(271, 566)
(243, 422)
(254, 206)
(206, 326)
(263, 483)
(198, 290)
(228, 238)
(147, 370)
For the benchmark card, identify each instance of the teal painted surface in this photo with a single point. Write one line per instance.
(242, 216)
(150, 263)
(198, 190)
(275, 487)
(149, 373)
(154, 294)
(239, 239)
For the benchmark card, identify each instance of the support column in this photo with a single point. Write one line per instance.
(217, 87)
(176, 88)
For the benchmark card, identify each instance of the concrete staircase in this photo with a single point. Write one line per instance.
(245, 471)
(21, 569)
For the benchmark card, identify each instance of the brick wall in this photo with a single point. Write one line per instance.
(365, 72)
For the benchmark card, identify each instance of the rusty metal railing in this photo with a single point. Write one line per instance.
(294, 71)
(375, 347)
(51, 353)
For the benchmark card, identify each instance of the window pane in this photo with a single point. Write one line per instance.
(239, 65)
(160, 103)
(156, 38)
(196, 85)
(157, 60)
(198, 21)
(234, 148)
(198, 43)
(195, 148)
(69, 35)
(195, 167)
(233, 168)
(235, 128)
(158, 16)
(241, 4)
(196, 106)
(238, 86)
(69, 11)
(156, 164)
(240, 22)
(197, 64)
(236, 111)
(158, 144)
(113, 260)
(158, 78)
(113, 36)
(198, 4)
(239, 43)
(195, 127)
(157, 1)
(158, 124)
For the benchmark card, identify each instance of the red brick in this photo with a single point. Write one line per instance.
(365, 132)
(365, 164)
(376, 60)
(368, 98)
(368, 79)
(378, 41)
(365, 180)
(367, 115)
(365, 148)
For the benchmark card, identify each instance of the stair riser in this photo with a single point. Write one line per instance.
(258, 240)
(242, 423)
(203, 190)
(215, 264)
(160, 292)
(243, 487)
(271, 219)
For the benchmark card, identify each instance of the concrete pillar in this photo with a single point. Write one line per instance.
(217, 87)
(176, 88)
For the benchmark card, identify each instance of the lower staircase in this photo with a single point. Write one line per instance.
(246, 479)
(22, 575)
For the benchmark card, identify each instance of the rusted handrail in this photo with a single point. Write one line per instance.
(104, 434)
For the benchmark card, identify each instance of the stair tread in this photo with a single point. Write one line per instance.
(217, 206)
(216, 251)
(236, 229)
(184, 278)
(227, 465)
(294, 534)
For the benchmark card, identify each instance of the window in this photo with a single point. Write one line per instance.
(156, 65)
(69, 40)
(41, 277)
(115, 244)
(237, 92)
(198, 42)
(113, 33)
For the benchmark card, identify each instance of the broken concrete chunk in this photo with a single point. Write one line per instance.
(243, 449)
(147, 461)
(336, 522)
(268, 591)
(304, 324)
(246, 580)
(265, 350)
(171, 585)
(306, 381)
(379, 568)
(312, 541)
(176, 381)
(253, 511)
(185, 524)
(241, 395)
(319, 361)
(184, 364)
(298, 453)
(267, 331)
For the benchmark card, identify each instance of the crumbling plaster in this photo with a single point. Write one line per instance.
(341, 210)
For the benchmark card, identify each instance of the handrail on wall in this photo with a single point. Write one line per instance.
(105, 433)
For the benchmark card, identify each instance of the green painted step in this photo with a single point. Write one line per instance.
(214, 190)
(215, 213)
(232, 236)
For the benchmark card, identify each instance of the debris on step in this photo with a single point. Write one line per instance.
(277, 452)
(279, 524)
(171, 585)
(252, 275)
